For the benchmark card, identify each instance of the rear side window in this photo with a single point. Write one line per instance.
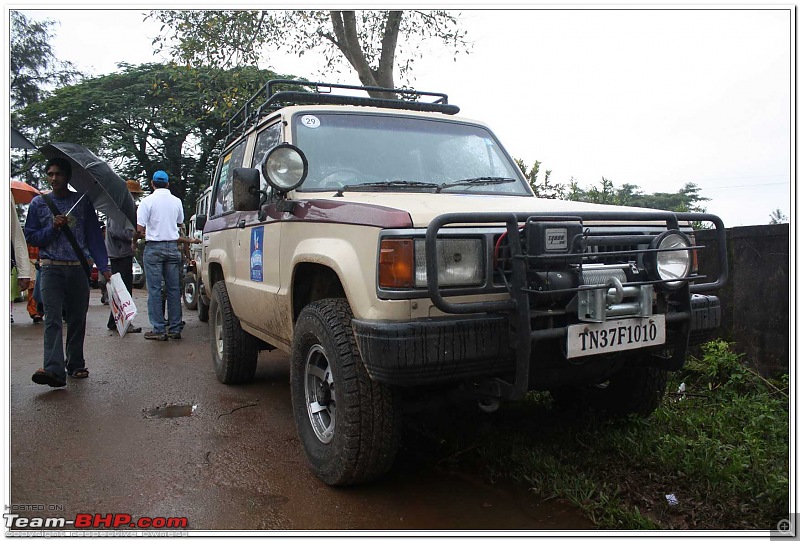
(223, 193)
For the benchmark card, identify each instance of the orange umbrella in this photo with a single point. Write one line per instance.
(23, 193)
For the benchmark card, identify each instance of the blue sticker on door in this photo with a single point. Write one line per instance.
(257, 254)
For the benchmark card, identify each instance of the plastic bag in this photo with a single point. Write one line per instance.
(122, 306)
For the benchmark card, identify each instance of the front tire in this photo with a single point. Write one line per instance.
(234, 351)
(348, 424)
(190, 292)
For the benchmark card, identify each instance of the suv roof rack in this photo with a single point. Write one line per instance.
(320, 94)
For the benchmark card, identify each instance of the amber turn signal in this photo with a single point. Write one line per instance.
(396, 265)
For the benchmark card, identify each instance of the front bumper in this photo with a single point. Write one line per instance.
(438, 350)
(434, 350)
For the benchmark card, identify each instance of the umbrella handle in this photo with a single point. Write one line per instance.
(76, 204)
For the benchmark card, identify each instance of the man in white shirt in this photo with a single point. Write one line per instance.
(157, 220)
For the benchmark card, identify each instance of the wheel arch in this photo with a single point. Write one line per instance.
(215, 274)
(312, 282)
(328, 267)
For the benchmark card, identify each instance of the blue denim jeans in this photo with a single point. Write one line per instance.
(64, 288)
(162, 262)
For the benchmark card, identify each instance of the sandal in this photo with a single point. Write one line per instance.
(45, 377)
(80, 373)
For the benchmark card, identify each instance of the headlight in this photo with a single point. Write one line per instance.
(285, 167)
(671, 262)
(460, 262)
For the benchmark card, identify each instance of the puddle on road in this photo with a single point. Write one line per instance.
(170, 411)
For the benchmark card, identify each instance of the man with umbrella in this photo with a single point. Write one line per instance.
(64, 281)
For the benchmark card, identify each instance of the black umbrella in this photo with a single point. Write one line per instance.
(93, 177)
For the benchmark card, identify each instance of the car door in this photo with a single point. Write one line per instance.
(257, 261)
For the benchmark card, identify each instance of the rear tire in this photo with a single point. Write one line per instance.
(234, 351)
(190, 292)
(348, 424)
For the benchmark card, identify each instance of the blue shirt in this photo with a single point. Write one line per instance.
(82, 221)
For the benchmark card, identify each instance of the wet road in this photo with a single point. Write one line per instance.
(104, 445)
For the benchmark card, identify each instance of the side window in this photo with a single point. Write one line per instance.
(266, 141)
(223, 192)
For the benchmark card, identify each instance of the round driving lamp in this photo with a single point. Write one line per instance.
(285, 167)
(671, 262)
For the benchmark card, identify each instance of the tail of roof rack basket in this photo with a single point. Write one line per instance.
(269, 99)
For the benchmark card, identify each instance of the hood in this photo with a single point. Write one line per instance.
(424, 207)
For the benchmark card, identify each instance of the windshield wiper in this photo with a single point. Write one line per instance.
(477, 181)
(387, 184)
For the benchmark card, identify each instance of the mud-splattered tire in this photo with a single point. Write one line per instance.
(234, 351)
(348, 424)
(634, 390)
(190, 292)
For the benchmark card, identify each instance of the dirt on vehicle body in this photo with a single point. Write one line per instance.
(388, 244)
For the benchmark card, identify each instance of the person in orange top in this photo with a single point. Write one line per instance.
(33, 303)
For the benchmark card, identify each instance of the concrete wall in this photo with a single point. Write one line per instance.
(755, 302)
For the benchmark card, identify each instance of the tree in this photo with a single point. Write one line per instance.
(368, 41)
(545, 189)
(151, 117)
(687, 199)
(33, 67)
(777, 217)
(34, 71)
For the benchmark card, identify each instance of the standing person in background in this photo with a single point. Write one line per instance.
(101, 280)
(19, 254)
(65, 282)
(35, 309)
(120, 242)
(157, 220)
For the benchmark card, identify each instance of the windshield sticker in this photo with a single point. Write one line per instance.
(310, 121)
(257, 254)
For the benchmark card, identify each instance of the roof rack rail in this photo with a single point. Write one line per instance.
(320, 94)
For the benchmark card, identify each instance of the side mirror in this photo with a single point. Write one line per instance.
(285, 167)
(200, 222)
(246, 183)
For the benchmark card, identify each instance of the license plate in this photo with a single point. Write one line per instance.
(615, 335)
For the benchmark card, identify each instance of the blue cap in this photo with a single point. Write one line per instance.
(161, 177)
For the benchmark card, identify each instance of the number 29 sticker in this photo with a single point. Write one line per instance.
(310, 121)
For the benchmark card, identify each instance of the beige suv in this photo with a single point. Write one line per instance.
(387, 244)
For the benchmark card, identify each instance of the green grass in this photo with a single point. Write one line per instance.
(721, 447)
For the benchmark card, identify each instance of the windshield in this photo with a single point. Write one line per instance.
(394, 153)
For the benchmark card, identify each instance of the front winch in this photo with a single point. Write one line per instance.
(614, 300)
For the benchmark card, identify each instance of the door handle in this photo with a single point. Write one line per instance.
(240, 224)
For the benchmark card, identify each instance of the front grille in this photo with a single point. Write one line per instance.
(616, 253)
(599, 250)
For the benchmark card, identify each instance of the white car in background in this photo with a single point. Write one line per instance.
(138, 274)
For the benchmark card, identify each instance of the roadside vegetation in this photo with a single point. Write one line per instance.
(714, 455)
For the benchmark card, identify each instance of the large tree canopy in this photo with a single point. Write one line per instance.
(150, 117)
(368, 41)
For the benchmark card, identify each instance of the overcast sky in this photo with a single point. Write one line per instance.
(651, 97)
